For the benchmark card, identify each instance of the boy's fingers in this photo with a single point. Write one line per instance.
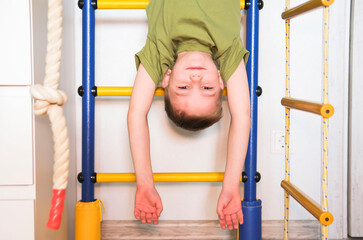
(221, 217)
(143, 217)
(234, 221)
(229, 222)
(137, 214)
(220, 212)
(240, 217)
(155, 218)
(148, 217)
(222, 223)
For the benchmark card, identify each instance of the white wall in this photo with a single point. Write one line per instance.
(43, 135)
(69, 85)
(338, 133)
(121, 33)
(356, 128)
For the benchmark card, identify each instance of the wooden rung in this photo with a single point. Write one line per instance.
(132, 4)
(326, 218)
(126, 91)
(325, 110)
(305, 7)
(163, 177)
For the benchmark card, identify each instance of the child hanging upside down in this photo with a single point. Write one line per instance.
(193, 49)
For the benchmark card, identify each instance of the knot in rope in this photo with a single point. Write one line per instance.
(46, 97)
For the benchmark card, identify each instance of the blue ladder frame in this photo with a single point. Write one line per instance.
(251, 229)
(251, 207)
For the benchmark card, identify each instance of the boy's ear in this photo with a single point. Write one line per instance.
(166, 78)
(221, 83)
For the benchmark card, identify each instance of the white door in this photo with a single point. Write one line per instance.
(356, 125)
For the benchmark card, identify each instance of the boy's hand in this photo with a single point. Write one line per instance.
(148, 205)
(229, 208)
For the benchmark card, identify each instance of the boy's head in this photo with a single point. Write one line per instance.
(193, 91)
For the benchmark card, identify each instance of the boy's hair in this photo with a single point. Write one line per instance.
(192, 123)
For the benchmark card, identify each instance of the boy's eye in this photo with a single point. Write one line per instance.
(183, 87)
(207, 88)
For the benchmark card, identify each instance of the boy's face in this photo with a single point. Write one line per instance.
(194, 84)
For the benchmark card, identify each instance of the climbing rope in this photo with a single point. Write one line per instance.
(324, 198)
(287, 126)
(49, 100)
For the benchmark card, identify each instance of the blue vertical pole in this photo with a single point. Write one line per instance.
(88, 100)
(251, 228)
(252, 74)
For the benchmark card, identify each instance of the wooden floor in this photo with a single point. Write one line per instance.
(202, 230)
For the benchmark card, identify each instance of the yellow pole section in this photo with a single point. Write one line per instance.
(135, 4)
(114, 91)
(122, 4)
(163, 177)
(325, 110)
(88, 217)
(122, 91)
(325, 218)
(126, 91)
(305, 7)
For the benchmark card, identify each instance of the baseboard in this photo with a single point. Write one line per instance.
(181, 230)
(298, 229)
(201, 230)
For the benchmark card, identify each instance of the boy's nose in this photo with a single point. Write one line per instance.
(195, 77)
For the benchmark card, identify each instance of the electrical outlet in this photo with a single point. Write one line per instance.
(278, 142)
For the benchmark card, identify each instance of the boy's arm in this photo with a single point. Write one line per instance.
(147, 199)
(140, 103)
(229, 204)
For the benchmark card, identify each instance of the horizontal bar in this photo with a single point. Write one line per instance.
(325, 110)
(325, 218)
(122, 4)
(163, 177)
(135, 4)
(122, 91)
(126, 91)
(305, 7)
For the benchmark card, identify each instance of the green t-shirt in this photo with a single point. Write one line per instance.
(211, 26)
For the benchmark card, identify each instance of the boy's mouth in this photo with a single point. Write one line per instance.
(196, 68)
